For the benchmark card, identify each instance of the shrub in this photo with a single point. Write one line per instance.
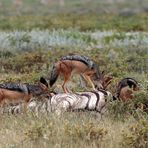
(137, 136)
(86, 132)
(136, 107)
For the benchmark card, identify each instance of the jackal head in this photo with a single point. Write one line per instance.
(40, 89)
(103, 81)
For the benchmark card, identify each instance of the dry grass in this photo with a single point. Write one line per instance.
(69, 130)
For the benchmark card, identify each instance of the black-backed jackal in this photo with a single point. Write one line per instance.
(17, 92)
(76, 64)
(90, 100)
(82, 101)
(126, 88)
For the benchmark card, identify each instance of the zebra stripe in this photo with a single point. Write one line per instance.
(86, 95)
(91, 101)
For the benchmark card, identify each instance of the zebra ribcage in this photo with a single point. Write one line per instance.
(92, 101)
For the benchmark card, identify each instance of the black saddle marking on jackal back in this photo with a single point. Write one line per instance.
(126, 82)
(15, 87)
(35, 89)
(23, 88)
(86, 60)
(80, 58)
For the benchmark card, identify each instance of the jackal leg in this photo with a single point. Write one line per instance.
(88, 79)
(66, 79)
(83, 82)
(26, 98)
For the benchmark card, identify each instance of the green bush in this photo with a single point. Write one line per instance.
(136, 107)
(25, 62)
(83, 22)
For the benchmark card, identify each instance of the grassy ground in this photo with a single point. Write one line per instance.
(71, 130)
(31, 41)
(102, 15)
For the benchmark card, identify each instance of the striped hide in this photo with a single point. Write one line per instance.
(34, 106)
(85, 101)
(91, 101)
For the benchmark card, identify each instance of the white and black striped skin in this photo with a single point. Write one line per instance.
(82, 101)
(34, 106)
(91, 101)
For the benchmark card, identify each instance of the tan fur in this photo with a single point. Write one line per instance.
(7, 96)
(126, 94)
(67, 68)
(14, 96)
(106, 81)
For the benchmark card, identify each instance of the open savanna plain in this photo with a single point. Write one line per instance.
(115, 35)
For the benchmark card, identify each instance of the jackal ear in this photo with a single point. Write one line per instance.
(43, 81)
(130, 83)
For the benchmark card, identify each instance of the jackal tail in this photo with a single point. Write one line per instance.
(54, 74)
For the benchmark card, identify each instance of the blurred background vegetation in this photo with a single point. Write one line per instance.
(121, 15)
(34, 34)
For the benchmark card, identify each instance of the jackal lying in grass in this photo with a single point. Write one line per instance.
(12, 92)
